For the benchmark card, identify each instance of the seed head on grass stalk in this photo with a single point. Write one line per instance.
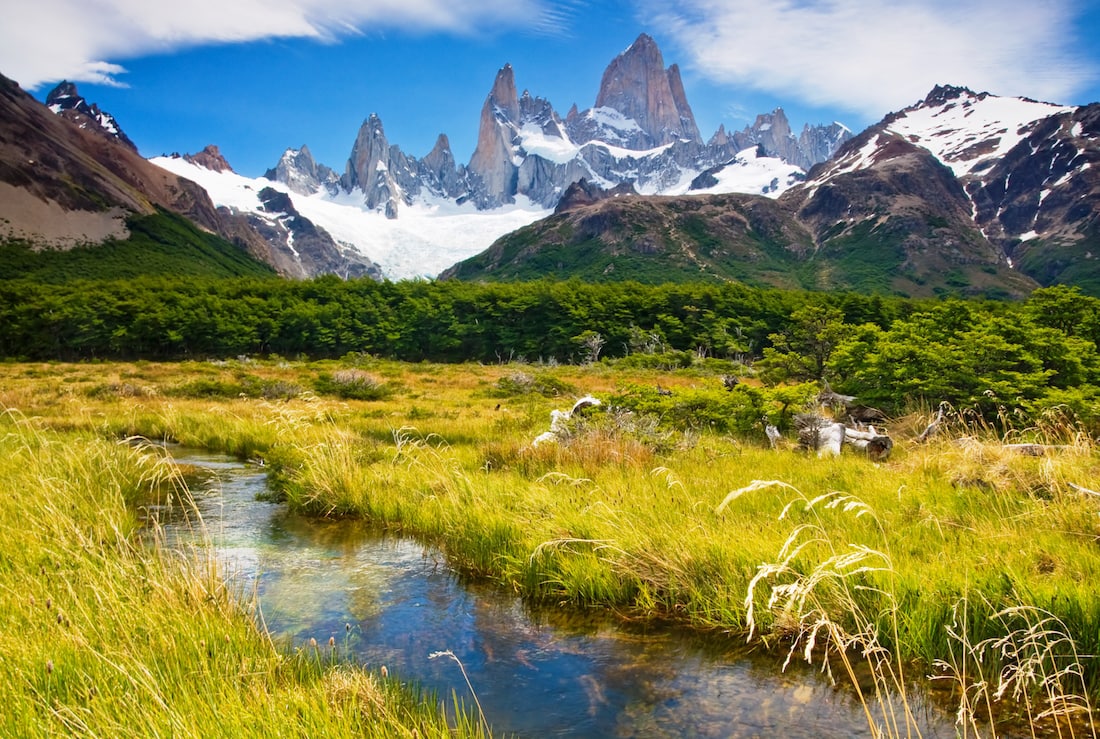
(462, 668)
(823, 610)
(1040, 661)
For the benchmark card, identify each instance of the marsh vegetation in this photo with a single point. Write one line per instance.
(960, 559)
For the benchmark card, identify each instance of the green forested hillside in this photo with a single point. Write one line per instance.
(162, 243)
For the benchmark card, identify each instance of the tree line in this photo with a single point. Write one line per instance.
(891, 351)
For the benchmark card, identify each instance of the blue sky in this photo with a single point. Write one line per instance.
(258, 76)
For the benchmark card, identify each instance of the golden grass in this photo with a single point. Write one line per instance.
(107, 636)
(629, 515)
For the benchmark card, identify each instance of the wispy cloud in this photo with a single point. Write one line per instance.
(871, 56)
(48, 40)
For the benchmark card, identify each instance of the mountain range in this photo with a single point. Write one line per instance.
(962, 192)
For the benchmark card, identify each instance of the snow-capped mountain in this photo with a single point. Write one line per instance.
(641, 131)
(1024, 173)
(400, 216)
(962, 193)
(68, 103)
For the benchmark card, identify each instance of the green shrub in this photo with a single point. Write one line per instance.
(662, 361)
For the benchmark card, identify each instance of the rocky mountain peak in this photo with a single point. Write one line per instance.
(64, 97)
(67, 102)
(302, 174)
(942, 94)
(441, 173)
(503, 94)
(211, 158)
(637, 85)
(491, 164)
(368, 166)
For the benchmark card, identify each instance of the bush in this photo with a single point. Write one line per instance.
(351, 384)
(661, 361)
(522, 383)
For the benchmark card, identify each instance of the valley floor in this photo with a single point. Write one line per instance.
(961, 556)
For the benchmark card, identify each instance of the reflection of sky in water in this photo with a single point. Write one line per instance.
(532, 677)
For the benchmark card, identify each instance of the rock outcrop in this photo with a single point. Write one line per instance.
(302, 174)
(211, 158)
(69, 104)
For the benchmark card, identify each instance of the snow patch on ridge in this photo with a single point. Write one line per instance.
(747, 173)
(972, 130)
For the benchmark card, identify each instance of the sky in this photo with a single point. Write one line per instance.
(255, 77)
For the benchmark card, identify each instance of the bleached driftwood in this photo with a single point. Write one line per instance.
(932, 428)
(559, 428)
(1086, 491)
(819, 434)
(877, 446)
(827, 437)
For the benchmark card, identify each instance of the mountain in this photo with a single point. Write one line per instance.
(651, 239)
(962, 193)
(641, 131)
(1021, 179)
(70, 177)
(65, 182)
(68, 103)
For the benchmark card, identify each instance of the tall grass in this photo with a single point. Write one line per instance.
(106, 636)
(624, 512)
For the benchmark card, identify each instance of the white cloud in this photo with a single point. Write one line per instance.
(874, 56)
(85, 40)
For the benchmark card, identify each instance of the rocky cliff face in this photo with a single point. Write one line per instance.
(637, 86)
(1040, 202)
(374, 168)
(492, 169)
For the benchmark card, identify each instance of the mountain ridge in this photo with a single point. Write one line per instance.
(962, 193)
(641, 129)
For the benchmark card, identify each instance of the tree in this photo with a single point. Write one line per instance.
(802, 350)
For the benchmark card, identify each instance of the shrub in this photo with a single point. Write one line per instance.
(523, 383)
(351, 384)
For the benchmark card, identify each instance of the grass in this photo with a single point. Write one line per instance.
(107, 636)
(960, 541)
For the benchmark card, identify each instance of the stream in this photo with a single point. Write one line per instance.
(393, 602)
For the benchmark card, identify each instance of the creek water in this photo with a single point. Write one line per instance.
(393, 602)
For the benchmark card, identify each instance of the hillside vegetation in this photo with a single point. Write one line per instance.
(160, 244)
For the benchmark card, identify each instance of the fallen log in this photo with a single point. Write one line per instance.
(877, 446)
(827, 437)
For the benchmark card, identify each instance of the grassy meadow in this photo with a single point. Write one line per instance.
(960, 558)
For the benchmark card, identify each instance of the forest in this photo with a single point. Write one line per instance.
(892, 353)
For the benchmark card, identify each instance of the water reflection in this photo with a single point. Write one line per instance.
(393, 602)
